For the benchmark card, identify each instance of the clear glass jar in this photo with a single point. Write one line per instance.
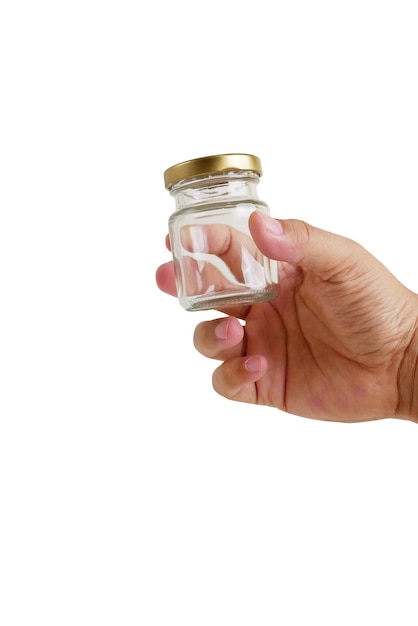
(216, 261)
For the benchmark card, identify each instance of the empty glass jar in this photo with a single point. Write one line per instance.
(216, 261)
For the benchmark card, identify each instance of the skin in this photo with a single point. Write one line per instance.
(339, 343)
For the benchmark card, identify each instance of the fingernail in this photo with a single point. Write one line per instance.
(253, 364)
(273, 226)
(221, 330)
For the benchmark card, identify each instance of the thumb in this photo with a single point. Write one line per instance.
(297, 242)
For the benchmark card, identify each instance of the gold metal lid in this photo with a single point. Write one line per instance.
(212, 165)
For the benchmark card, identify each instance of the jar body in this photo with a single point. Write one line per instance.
(216, 261)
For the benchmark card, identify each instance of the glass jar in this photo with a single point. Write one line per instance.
(216, 261)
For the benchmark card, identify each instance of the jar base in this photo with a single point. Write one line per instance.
(222, 301)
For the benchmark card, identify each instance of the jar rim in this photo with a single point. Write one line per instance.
(214, 164)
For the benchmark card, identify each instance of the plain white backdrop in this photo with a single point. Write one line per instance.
(130, 492)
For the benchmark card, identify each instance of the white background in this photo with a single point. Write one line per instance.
(130, 492)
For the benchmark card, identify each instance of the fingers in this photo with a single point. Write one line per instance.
(165, 278)
(224, 339)
(236, 379)
(220, 339)
(291, 241)
(297, 242)
(228, 254)
(219, 239)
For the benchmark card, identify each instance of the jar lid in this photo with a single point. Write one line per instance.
(212, 165)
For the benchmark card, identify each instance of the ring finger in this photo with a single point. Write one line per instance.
(221, 339)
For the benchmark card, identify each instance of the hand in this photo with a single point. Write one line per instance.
(338, 343)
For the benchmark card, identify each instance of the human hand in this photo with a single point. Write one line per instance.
(338, 343)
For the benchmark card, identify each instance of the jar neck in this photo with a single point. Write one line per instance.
(228, 186)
